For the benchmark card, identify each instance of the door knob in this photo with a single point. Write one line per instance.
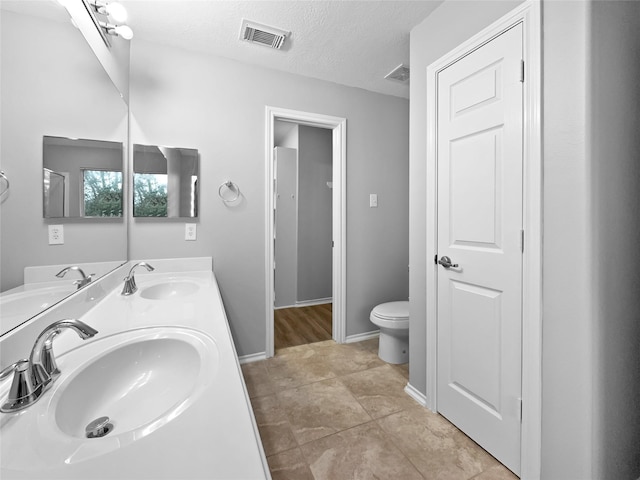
(446, 262)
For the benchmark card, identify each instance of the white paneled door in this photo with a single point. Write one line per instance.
(480, 165)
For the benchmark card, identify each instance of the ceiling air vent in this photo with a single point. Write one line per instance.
(399, 74)
(262, 34)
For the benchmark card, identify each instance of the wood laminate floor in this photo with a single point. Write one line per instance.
(302, 325)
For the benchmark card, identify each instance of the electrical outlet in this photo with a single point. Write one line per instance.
(373, 200)
(190, 231)
(56, 234)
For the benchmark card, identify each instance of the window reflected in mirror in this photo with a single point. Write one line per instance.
(82, 178)
(165, 181)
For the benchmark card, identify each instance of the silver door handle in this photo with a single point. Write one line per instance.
(446, 262)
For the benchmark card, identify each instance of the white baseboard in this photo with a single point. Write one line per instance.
(359, 337)
(307, 303)
(418, 396)
(254, 357)
(317, 301)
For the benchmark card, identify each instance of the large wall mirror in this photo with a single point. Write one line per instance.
(165, 181)
(52, 86)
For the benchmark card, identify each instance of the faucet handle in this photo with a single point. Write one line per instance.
(22, 392)
(19, 366)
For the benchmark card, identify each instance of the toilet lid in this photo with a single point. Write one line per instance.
(392, 310)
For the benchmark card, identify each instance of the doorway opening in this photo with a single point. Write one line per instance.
(305, 233)
(302, 236)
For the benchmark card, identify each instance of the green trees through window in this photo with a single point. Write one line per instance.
(102, 193)
(150, 195)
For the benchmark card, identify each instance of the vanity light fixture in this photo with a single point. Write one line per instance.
(109, 18)
(123, 31)
(115, 10)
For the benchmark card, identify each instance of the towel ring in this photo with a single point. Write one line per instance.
(232, 187)
(4, 177)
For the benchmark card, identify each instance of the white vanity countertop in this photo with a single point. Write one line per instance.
(215, 438)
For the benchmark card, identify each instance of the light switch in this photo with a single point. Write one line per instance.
(373, 200)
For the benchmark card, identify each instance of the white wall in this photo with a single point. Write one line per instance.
(591, 228)
(218, 106)
(285, 134)
(286, 228)
(448, 26)
(615, 178)
(315, 252)
(51, 87)
(567, 367)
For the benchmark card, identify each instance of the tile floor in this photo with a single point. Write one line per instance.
(334, 412)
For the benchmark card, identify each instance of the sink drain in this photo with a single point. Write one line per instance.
(98, 428)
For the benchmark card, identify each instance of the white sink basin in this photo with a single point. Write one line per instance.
(141, 379)
(170, 289)
(134, 385)
(16, 308)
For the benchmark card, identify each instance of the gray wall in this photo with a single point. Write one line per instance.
(315, 253)
(614, 97)
(217, 106)
(54, 87)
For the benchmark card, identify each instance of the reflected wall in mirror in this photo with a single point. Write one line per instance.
(54, 87)
(82, 178)
(165, 181)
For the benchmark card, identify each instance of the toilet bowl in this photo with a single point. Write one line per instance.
(393, 320)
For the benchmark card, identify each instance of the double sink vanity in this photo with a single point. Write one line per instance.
(147, 383)
(103, 378)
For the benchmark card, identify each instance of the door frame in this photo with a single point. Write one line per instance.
(529, 14)
(338, 126)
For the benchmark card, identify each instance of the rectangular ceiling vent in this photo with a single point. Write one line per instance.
(399, 74)
(262, 34)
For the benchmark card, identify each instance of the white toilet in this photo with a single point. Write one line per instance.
(393, 320)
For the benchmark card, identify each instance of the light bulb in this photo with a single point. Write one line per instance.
(124, 31)
(116, 11)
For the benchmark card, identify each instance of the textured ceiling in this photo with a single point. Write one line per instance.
(354, 43)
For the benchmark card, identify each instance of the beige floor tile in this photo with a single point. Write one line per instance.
(289, 465)
(437, 449)
(320, 409)
(379, 390)
(371, 344)
(360, 453)
(275, 431)
(296, 366)
(343, 359)
(257, 379)
(497, 472)
(403, 369)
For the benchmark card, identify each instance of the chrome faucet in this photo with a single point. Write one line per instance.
(80, 283)
(130, 286)
(32, 377)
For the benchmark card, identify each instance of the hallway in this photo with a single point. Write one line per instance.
(301, 325)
